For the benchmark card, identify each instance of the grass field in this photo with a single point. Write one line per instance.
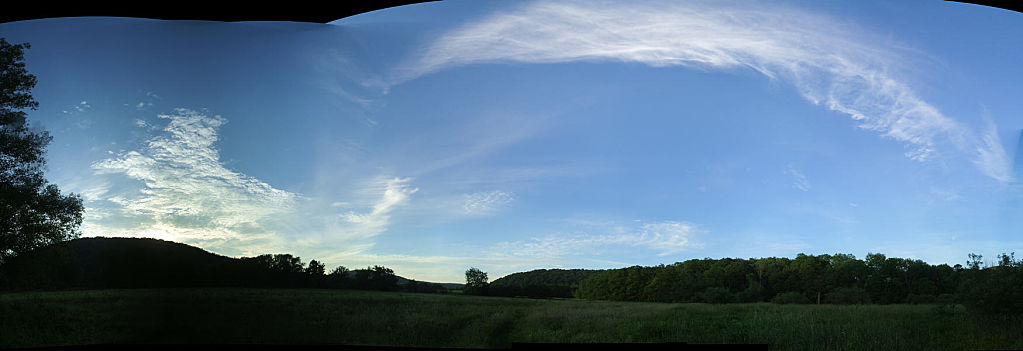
(247, 316)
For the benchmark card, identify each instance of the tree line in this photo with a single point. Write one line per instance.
(829, 279)
(834, 279)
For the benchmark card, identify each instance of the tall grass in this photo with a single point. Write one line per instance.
(282, 316)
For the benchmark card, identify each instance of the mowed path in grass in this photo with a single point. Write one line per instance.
(307, 316)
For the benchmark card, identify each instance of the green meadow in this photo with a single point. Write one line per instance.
(311, 316)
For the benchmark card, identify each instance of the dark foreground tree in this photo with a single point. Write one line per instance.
(32, 212)
(475, 281)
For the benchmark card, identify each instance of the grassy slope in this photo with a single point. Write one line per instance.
(245, 316)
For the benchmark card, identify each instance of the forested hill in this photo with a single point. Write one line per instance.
(118, 263)
(103, 263)
(554, 277)
(540, 283)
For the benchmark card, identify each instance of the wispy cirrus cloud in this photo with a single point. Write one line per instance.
(831, 63)
(992, 158)
(396, 192)
(799, 179)
(665, 238)
(486, 202)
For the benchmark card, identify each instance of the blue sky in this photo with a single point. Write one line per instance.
(513, 136)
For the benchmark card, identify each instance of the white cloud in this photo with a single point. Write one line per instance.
(799, 179)
(78, 108)
(177, 188)
(831, 63)
(486, 202)
(992, 159)
(185, 192)
(396, 193)
(665, 238)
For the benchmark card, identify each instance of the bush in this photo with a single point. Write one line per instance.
(914, 299)
(790, 297)
(847, 296)
(753, 293)
(995, 291)
(945, 305)
(717, 294)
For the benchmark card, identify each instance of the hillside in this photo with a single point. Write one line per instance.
(92, 263)
(553, 277)
(101, 263)
(402, 280)
(542, 283)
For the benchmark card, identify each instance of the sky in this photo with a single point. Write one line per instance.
(512, 136)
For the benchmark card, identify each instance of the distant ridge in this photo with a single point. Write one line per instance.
(403, 280)
(552, 277)
(105, 263)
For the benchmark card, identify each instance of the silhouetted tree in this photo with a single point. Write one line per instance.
(315, 272)
(315, 268)
(32, 213)
(475, 281)
(361, 280)
(286, 263)
(1008, 260)
(383, 278)
(975, 262)
(338, 278)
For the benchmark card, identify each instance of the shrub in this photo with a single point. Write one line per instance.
(753, 293)
(790, 297)
(717, 294)
(847, 296)
(921, 299)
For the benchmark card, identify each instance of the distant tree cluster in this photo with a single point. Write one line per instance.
(835, 279)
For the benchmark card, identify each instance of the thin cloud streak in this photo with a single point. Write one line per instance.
(800, 181)
(992, 158)
(482, 203)
(665, 238)
(831, 64)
